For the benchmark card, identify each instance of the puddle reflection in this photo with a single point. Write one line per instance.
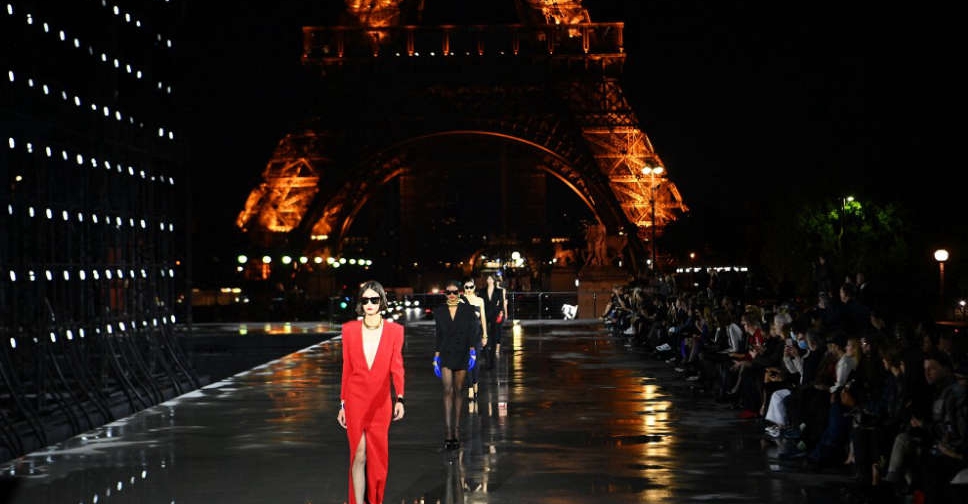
(560, 411)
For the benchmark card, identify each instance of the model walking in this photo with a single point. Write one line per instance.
(372, 361)
(495, 302)
(455, 332)
(477, 303)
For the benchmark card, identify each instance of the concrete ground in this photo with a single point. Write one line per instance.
(568, 415)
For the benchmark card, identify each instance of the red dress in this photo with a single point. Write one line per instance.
(365, 393)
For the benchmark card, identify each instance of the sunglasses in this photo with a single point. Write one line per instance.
(370, 300)
(452, 292)
(470, 286)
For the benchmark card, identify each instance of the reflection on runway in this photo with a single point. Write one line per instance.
(568, 414)
(466, 471)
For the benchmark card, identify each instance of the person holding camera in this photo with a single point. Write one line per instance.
(768, 360)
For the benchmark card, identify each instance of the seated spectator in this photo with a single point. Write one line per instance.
(727, 340)
(733, 375)
(802, 360)
(867, 383)
(813, 408)
(801, 363)
(931, 451)
(695, 338)
(833, 441)
(618, 311)
(767, 368)
(679, 321)
(776, 412)
(896, 409)
(946, 430)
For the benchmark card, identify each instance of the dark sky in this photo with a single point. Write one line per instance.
(744, 100)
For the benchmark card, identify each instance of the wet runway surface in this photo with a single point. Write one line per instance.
(568, 415)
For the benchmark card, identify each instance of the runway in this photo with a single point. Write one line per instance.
(568, 415)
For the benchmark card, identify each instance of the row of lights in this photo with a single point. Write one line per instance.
(109, 274)
(517, 261)
(433, 53)
(109, 328)
(80, 160)
(118, 221)
(128, 18)
(62, 36)
(718, 269)
(106, 111)
(332, 261)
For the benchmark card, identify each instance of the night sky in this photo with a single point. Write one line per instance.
(745, 101)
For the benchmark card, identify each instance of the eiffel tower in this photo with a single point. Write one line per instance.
(393, 73)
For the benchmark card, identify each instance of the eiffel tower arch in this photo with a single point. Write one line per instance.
(551, 86)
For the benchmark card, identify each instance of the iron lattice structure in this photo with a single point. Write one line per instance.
(551, 82)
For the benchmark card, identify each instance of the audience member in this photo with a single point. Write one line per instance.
(836, 382)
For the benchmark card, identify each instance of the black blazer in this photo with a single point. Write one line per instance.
(453, 338)
(492, 305)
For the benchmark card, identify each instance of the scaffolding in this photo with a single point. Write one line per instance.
(90, 215)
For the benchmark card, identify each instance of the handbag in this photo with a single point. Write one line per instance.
(847, 398)
(500, 317)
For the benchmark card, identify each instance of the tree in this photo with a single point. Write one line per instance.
(858, 236)
(854, 235)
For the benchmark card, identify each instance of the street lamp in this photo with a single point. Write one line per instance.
(941, 255)
(845, 204)
(652, 171)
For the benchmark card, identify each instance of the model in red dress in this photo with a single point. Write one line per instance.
(372, 360)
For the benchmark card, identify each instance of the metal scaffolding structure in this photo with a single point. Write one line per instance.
(90, 213)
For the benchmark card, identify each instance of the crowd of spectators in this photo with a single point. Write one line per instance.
(836, 383)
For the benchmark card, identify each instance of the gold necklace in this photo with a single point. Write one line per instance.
(368, 326)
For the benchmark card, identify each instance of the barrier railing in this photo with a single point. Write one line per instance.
(521, 305)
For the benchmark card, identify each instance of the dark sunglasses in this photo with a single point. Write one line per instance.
(469, 286)
(452, 292)
(370, 300)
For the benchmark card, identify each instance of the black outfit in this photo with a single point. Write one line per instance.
(855, 318)
(821, 276)
(478, 339)
(454, 337)
(492, 306)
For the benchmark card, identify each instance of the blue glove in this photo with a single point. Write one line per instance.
(437, 366)
(473, 360)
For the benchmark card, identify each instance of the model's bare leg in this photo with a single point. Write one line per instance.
(359, 470)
